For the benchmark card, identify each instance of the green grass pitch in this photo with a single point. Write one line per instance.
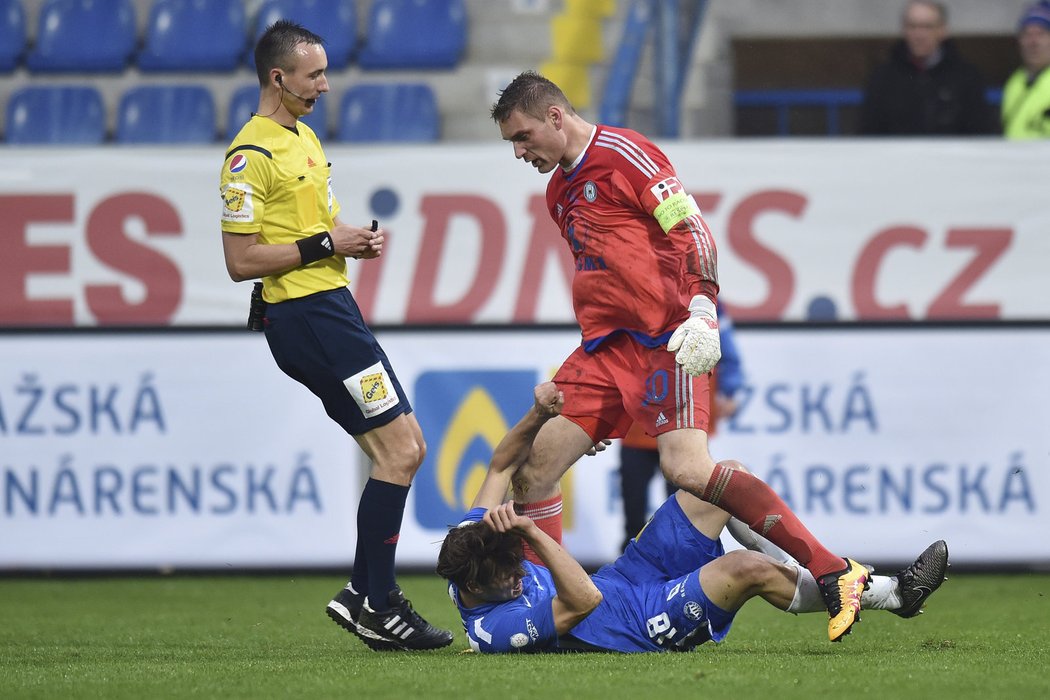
(266, 636)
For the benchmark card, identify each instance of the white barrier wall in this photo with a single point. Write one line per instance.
(193, 450)
(864, 230)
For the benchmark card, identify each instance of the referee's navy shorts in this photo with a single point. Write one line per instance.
(322, 342)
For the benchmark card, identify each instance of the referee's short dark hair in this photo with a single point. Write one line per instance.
(275, 47)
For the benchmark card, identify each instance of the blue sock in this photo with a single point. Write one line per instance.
(378, 527)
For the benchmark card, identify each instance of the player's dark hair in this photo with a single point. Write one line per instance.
(530, 93)
(477, 554)
(277, 44)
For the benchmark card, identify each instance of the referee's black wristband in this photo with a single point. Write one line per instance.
(316, 247)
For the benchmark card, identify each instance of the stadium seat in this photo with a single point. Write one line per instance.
(414, 34)
(242, 103)
(390, 113)
(166, 114)
(246, 99)
(12, 33)
(83, 36)
(194, 35)
(334, 20)
(56, 114)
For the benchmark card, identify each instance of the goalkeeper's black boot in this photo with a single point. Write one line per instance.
(918, 581)
(400, 627)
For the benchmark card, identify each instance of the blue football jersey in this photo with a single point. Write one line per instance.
(651, 598)
(523, 624)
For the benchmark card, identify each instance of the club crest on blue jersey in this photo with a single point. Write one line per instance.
(238, 163)
(464, 415)
(693, 610)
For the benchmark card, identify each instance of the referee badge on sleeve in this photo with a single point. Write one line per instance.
(237, 205)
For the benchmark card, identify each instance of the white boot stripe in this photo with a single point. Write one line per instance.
(340, 609)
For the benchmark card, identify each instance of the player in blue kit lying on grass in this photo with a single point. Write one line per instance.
(673, 588)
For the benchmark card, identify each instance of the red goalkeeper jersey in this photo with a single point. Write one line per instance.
(640, 245)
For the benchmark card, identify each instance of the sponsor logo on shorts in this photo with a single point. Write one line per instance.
(373, 390)
(678, 588)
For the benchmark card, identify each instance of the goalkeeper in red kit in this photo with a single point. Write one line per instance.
(644, 295)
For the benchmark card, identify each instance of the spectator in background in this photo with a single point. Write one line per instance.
(925, 88)
(639, 458)
(1026, 96)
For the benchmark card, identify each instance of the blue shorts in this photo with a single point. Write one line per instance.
(322, 342)
(652, 599)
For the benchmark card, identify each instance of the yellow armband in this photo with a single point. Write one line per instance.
(675, 209)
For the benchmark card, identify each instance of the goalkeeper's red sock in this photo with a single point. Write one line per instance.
(547, 516)
(751, 500)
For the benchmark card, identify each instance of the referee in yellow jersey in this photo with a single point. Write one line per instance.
(280, 223)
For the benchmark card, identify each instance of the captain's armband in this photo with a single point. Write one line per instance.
(674, 210)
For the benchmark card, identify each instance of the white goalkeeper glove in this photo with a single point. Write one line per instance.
(696, 342)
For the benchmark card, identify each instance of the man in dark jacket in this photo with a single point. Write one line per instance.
(926, 88)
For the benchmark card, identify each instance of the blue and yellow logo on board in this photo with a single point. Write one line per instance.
(464, 415)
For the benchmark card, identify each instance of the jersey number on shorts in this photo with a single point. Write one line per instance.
(659, 628)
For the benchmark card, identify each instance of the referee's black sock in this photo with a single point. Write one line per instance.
(378, 528)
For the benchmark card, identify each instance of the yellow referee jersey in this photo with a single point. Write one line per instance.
(277, 183)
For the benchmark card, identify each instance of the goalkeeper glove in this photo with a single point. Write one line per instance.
(696, 342)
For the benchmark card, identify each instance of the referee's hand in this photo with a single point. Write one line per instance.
(357, 242)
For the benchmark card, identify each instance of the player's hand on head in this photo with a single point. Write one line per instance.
(695, 343)
(505, 518)
(549, 400)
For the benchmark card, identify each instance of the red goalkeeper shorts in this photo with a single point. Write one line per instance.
(623, 382)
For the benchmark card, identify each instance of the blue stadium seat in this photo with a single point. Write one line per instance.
(334, 20)
(242, 103)
(83, 36)
(414, 34)
(166, 114)
(12, 33)
(245, 99)
(194, 35)
(389, 112)
(56, 114)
